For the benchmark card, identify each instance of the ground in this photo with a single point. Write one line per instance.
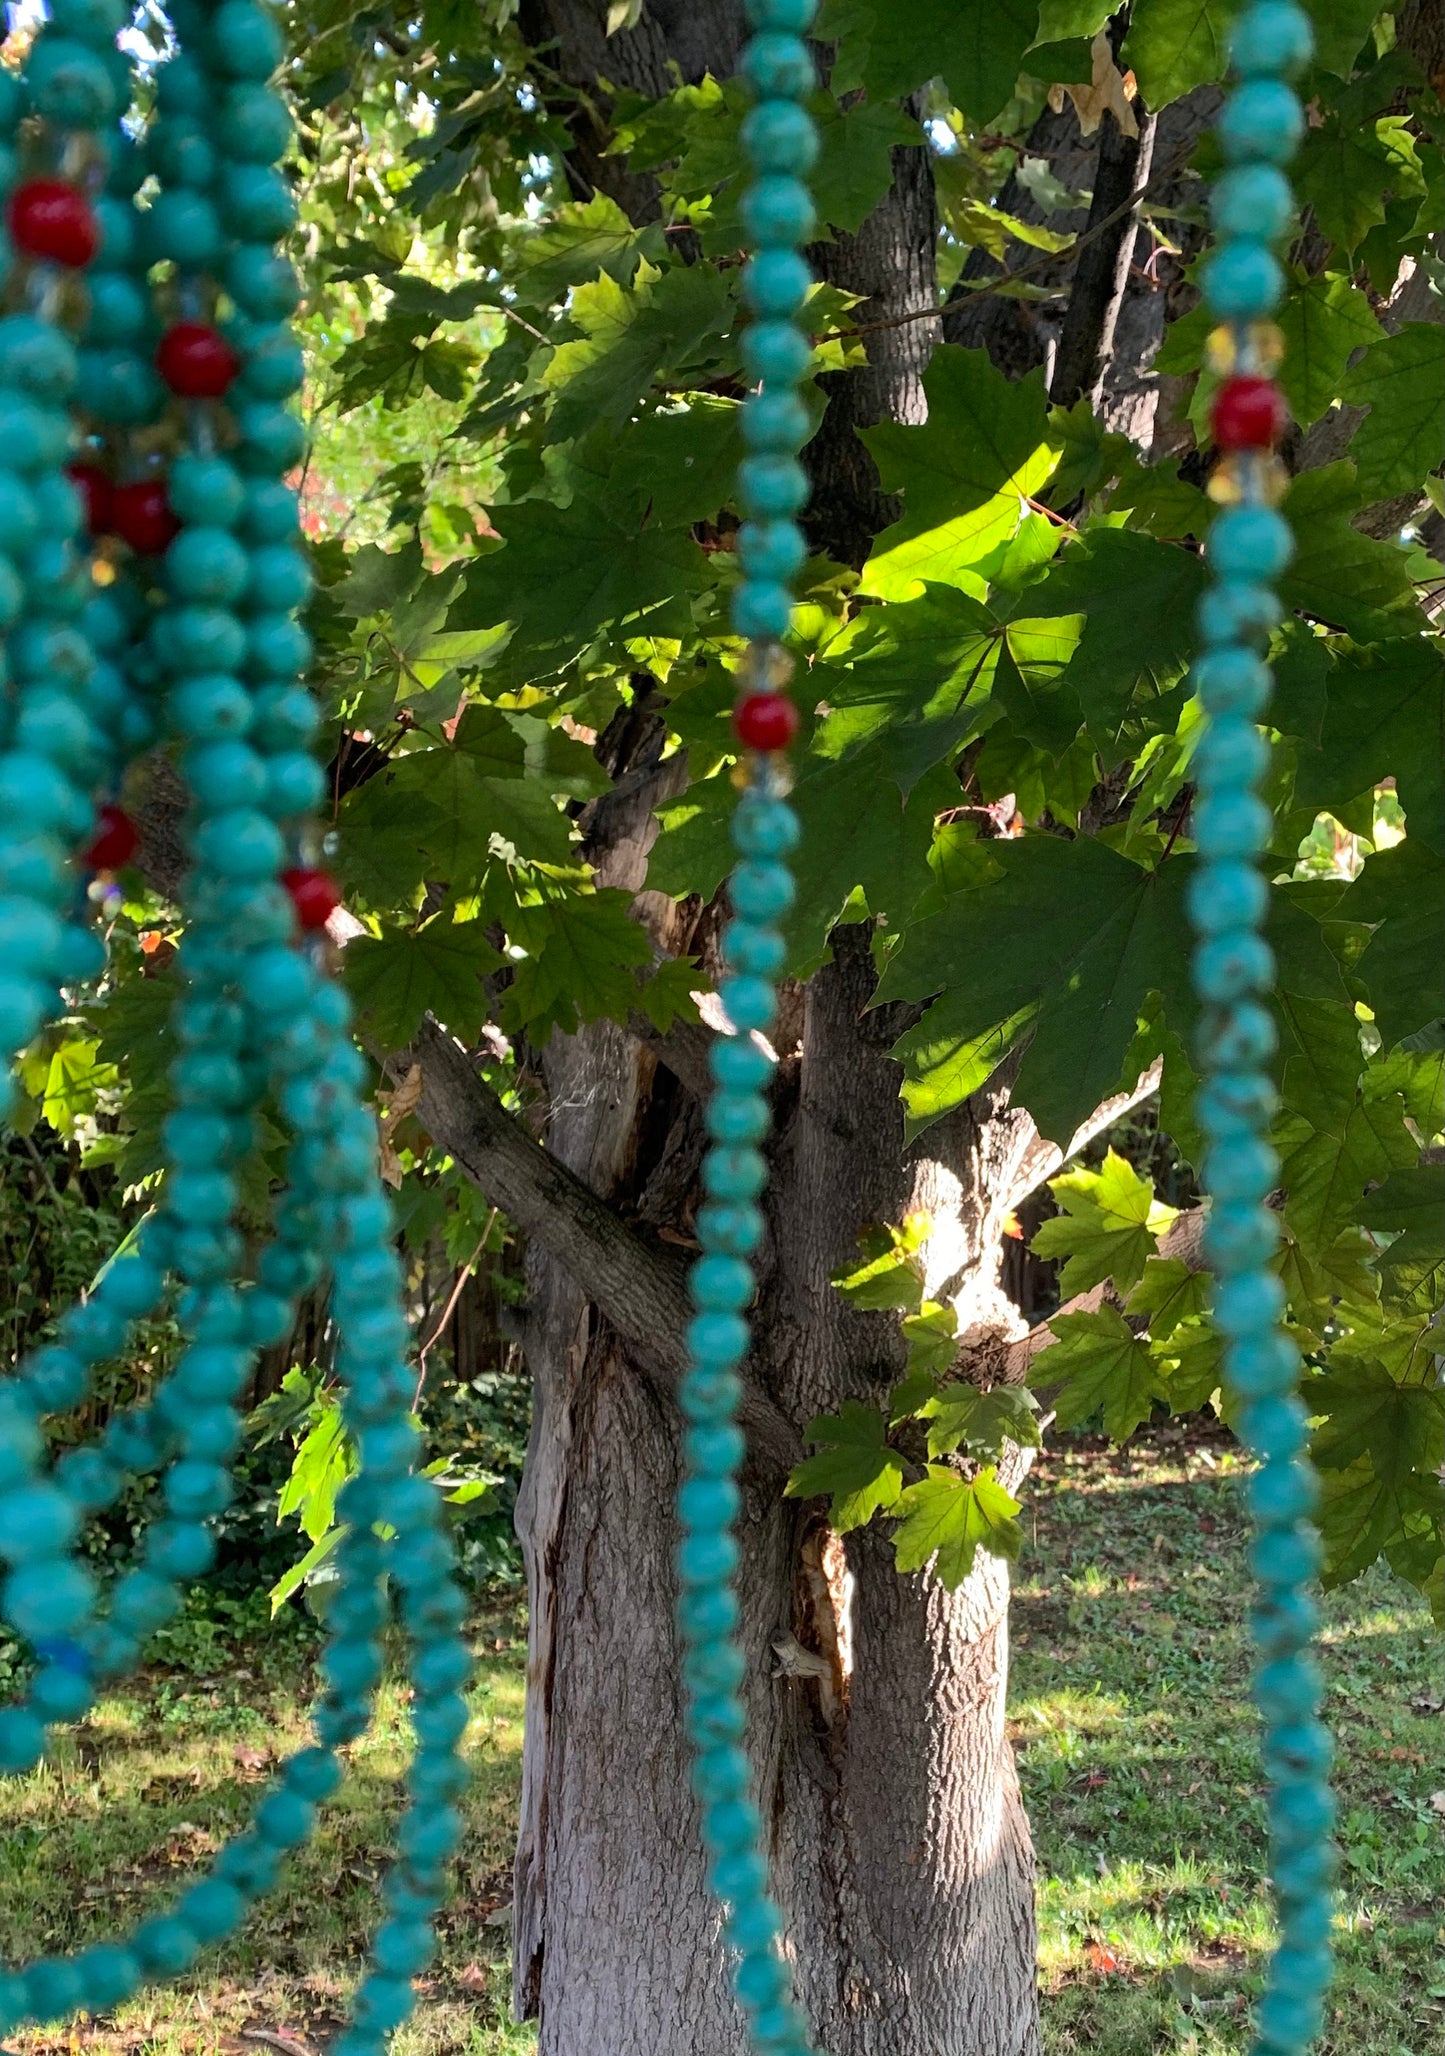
(1129, 1714)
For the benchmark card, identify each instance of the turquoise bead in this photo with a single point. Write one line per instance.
(256, 202)
(1232, 680)
(205, 563)
(1232, 824)
(771, 551)
(721, 1284)
(775, 420)
(271, 513)
(1288, 1689)
(212, 1909)
(1238, 1236)
(778, 66)
(165, 1946)
(1249, 543)
(1278, 1495)
(1264, 1366)
(1284, 1621)
(69, 84)
(762, 1979)
(52, 1987)
(210, 708)
(1249, 1302)
(273, 438)
(737, 1118)
(240, 844)
(57, 1694)
(36, 437)
(1246, 1170)
(243, 41)
(778, 211)
(196, 640)
(776, 353)
(22, 1009)
(760, 891)
(225, 774)
(181, 227)
(261, 283)
(36, 1522)
(56, 1378)
(274, 366)
(1243, 281)
(707, 1613)
(760, 952)
(279, 577)
(295, 784)
(1237, 611)
(776, 283)
(252, 126)
(709, 1398)
(1285, 1556)
(734, 1230)
(19, 520)
(206, 492)
(1261, 122)
(761, 613)
(179, 151)
(36, 358)
(1252, 201)
(276, 644)
(403, 1949)
(22, 1741)
(748, 1002)
(183, 88)
(49, 1598)
(772, 487)
(794, 15)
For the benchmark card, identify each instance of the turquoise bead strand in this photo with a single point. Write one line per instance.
(781, 144)
(1249, 547)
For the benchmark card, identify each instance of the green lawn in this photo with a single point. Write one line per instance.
(1134, 1741)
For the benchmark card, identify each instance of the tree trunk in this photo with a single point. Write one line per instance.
(898, 1842)
(899, 1847)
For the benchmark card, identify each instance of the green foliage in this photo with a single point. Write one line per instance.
(1109, 1227)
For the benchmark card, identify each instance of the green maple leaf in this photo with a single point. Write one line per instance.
(1109, 1227)
(1170, 1294)
(1325, 319)
(693, 853)
(932, 1337)
(567, 575)
(1384, 717)
(961, 472)
(1174, 45)
(680, 461)
(1326, 1170)
(583, 953)
(1192, 1361)
(1411, 1200)
(984, 1420)
(628, 336)
(951, 1518)
(855, 165)
(1341, 577)
(1344, 171)
(1137, 597)
(892, 1279)
(1099, 1365)
(857, 1469)
(1341, 27)
(402, 974)
(1361, 1515)
(1402, 438)
(1401, 893)
(572, 245)
(1051, 945)
(1399, 1426)
(859, 830)
(977, 49)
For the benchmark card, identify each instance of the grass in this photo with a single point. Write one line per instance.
(1130, 1721)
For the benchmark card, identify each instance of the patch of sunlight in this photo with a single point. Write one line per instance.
(1067, 1710)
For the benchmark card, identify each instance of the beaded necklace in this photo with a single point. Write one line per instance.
(187, 633)
(1249, 546)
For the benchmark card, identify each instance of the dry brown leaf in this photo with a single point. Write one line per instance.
(473, 1978)
(1109, 91)
(395, 1106)
(1437, 1800)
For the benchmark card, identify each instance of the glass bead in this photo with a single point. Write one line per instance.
(1242, 280)
(1261, 122)
(777, 282)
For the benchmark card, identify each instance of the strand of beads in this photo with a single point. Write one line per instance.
(1249, 546)
(781, 144)
(256, 1012)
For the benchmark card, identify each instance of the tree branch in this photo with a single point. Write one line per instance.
(639, 1289)
(1101, 275)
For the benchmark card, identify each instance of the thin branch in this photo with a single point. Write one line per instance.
(451, 1306)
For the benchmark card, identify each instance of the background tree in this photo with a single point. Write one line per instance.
(523, 257)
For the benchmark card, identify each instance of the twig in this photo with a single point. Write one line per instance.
(451, 1306)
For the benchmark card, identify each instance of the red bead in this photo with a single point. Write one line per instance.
(51, 219)
(97, 495)
(766, 721)
(116, 840)
(1249, 414)
(141, 515)
(196, 361)
(313, 894)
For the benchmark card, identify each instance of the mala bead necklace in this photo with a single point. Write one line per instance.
(191, 636)
(1248, 548)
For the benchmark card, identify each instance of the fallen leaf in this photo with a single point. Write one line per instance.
(1437, 1800)
(1102, 1958)
(1108, 92)
(474, 1978)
